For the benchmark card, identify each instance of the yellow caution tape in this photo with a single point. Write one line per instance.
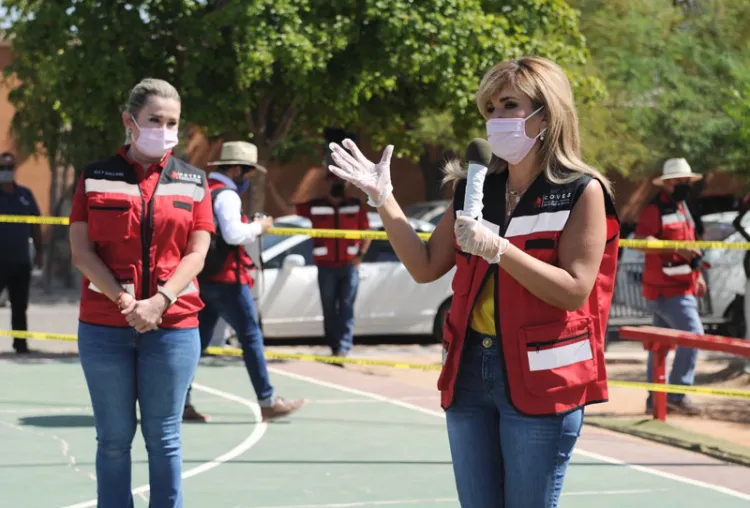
(352, 234)
(235, 352)
(347, 234)
(33, 219)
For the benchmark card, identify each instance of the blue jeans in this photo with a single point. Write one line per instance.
(121, 367)
(501, 458)
(678, 313)
(234, 303)
(338, 290)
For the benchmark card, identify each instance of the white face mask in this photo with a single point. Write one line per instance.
(6, 176)
(508, 139)
(155, 142)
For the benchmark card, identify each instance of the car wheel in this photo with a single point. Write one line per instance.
(735, 318)
(437, 329)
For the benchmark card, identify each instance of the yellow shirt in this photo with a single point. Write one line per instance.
(483, 313)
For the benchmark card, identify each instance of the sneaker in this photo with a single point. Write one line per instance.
(280, 409)
(191, 415)
(684, 407)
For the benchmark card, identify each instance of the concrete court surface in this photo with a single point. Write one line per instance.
(361, 441)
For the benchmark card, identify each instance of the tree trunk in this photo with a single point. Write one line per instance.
(431, 172)
(49, 238)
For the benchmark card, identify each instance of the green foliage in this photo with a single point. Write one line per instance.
(675, 77)
(274, 71)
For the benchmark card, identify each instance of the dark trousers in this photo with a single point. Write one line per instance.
(338, 290)
(17, 279)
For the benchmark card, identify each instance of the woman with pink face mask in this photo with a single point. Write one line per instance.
(535, 268)
(140, 227)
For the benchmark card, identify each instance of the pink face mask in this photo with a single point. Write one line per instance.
(155, 142)
(508, 139)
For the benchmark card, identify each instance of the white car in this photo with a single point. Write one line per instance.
(388, 300)
(725, 279)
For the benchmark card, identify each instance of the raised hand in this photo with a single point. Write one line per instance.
(373, 179)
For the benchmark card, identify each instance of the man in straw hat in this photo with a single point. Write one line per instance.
(225, 282)
(671, 277)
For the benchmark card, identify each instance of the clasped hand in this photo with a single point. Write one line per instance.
(143, 315)
(475, 238)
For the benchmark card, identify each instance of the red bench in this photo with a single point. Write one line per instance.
(662, 340)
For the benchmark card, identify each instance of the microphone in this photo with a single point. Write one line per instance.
(478, 155)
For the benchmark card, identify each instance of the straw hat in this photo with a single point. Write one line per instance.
(239, 152)
(676, 168)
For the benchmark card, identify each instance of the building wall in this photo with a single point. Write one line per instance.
(34, 171)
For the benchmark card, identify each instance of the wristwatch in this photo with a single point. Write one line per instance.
(170, 296)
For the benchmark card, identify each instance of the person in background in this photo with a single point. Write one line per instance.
(337, 259)
(140, 227)
(672, 278)
(225, 281)
(15, 255)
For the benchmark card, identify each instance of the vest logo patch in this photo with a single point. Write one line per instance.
(106, 172)
(186, 177)
(554, 200)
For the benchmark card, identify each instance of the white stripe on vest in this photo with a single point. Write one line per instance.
(349, 209)
(320, 251)
(321, 210)
(187, 190)
(550, 221)
(672, 218)
(676, 270)
(546, 359)
(111, 186)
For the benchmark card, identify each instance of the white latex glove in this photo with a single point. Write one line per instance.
(475, 238)
(373, 179)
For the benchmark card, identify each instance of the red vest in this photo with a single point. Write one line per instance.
(238, 262)
(667, 274)
(553, 358)
(141, 242)
(323, 214)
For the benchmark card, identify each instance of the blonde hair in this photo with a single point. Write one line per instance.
(546, 84)
(143, 91)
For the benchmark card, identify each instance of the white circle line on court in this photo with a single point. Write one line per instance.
(584, 453)
(259, 429)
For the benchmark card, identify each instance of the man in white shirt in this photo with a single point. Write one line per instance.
(225, 281)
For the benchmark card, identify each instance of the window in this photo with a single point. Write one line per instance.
(303, 248)
(380, 251)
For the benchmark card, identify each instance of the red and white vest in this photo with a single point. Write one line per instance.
(553, 358)
(141, 241)
(324, 214)
(668, 274)
(235, 269)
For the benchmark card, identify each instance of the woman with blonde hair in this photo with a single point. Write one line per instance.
(140, 227)
(524, 337)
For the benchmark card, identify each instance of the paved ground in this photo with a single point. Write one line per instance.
(369, 437)
(361, 441)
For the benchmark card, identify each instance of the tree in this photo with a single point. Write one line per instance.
(276, 71)
(673, 72)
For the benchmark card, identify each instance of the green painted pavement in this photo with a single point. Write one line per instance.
(343, 449)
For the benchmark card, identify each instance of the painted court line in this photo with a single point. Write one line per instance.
(259, 429)
(401, 502)
(44, 410)
(584, 453)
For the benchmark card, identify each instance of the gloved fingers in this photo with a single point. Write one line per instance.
(341, 156)
(343, 173)
(387, 153)
(356, 153)
(353, 170)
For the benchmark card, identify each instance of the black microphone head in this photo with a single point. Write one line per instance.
(479, 151)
